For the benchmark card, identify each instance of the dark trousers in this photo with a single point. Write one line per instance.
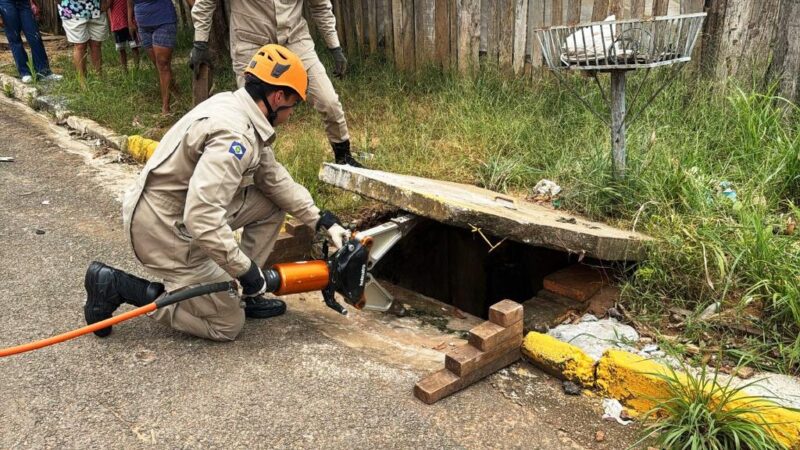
(18, 17)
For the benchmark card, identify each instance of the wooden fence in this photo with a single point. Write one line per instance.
(462, 34)
(752, 40)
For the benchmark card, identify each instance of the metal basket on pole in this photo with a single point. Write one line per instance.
(617, 47)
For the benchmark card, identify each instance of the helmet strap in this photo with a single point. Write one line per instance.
(272, 114)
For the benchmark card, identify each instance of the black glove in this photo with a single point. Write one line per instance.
(198, 57)
(327, 219)
(340, 62)
(252, 281)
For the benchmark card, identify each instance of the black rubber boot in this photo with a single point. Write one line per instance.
(107, 288)
(261, 307)
(343, 156)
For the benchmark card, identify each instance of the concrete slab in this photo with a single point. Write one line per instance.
(497, 214)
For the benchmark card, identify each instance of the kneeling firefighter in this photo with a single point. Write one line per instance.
(214, 172)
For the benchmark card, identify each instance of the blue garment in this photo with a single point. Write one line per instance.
(151, 13)
(160, 36)
(18, 16)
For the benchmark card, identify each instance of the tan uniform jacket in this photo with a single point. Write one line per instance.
(199, 172)
(254, 23)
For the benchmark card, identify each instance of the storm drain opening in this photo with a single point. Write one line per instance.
(472, 270)
(471, 247)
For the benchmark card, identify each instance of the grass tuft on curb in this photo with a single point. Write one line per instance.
(701, 414)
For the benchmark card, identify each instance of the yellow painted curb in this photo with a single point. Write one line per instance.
(559, 358)
(633, 380)
(141, 148)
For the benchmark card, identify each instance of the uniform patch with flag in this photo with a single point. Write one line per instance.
(238, 150)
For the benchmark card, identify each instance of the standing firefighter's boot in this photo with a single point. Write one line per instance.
(107, 288)
(341, 151)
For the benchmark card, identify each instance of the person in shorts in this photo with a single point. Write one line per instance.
(86, 26)
(123, 38)
(157, 25)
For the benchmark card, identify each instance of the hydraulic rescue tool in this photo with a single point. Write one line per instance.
(346, 271)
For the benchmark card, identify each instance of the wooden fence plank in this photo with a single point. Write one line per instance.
(557, 13)
(397, 34)
(484, 34)
(520, 35)
(371, 20)
(660, 7)
(337, 12)
(469, 33)
(380, 15)
(424, 29)
(599, 10)
(358, 24)
(407, 33)
(490, 16)
(505, 34)
(573, 12)
(691, 6)
(785, 64)
(637, 9)
(349, 11)
(442, 34)
(535, 20)
(617, 8)
(388, 29)
(453, 7)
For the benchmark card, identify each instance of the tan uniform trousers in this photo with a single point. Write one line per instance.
(321, 94)
(173, 257)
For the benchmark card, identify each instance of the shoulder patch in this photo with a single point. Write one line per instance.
(237, 149)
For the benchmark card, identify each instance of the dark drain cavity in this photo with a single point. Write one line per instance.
(455, 266)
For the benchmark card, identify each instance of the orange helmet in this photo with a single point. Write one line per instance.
(277, 65)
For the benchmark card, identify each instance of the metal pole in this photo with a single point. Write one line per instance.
(618, 124)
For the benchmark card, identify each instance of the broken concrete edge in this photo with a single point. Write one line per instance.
(16, 89)
(639, 383)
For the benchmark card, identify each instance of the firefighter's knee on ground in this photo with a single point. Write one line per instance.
(225, 330)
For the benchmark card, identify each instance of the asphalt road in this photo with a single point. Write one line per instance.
(308, 379)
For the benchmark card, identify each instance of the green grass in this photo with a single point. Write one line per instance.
(508, 134)
(702, 413)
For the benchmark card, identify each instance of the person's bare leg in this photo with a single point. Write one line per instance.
(79, 60)
(97, 56)
(123, 59)
(163, 57)
(135, 52)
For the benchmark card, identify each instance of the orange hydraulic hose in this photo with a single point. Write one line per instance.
(79, 332)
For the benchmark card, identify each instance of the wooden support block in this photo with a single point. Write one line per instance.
(443, 383)
(578, 282)
(285, 240)
(297, 228)
(489, 335)
(466, 359)
(436, 386)
(505, 313)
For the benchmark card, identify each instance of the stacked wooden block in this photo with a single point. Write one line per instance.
(571, 291)
(293, 243)
(492, 346)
